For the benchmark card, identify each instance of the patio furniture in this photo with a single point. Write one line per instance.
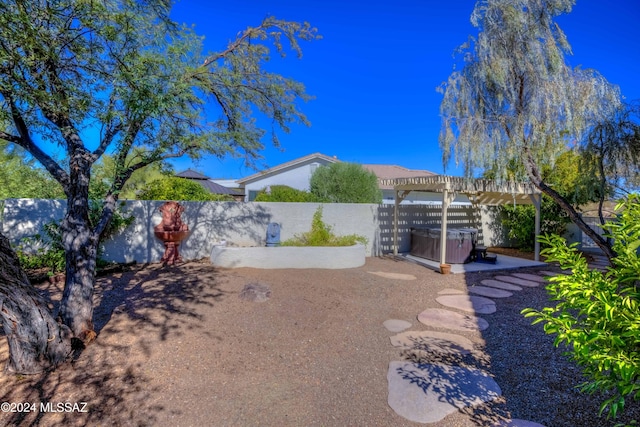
(480, 255)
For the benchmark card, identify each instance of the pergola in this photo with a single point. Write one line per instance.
(479, 191)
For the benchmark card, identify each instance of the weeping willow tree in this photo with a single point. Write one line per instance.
(515, 99)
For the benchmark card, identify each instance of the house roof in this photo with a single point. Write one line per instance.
(282, 166)
(206, 182)
(389, 172)
(191, 174)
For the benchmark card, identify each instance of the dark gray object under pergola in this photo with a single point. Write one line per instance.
(481, 192)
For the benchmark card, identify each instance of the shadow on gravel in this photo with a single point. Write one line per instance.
(133, 311)
(537, 380)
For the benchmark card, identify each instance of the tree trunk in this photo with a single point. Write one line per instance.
(536, 179)
(36, 341)
(76, 307)
(80, 244)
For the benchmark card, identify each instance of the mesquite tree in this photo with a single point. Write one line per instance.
(516, 99)
(36, 341)
(119, 76)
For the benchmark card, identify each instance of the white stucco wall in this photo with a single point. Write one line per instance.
(245, 224)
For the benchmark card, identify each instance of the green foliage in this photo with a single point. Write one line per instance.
(520, 222)
(322, 235)
(103, 174)
(21, 178)
(345, 183)
(179, 189)
(284, 193)
(43, 251)
(598, 314)
(566, 179)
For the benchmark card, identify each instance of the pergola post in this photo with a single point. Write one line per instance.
(395, 223)
(443, 224)
(396, 212)
(537, 202)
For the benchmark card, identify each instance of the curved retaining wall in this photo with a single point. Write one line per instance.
(329, 257)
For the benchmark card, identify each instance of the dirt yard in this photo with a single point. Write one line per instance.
(178, 346)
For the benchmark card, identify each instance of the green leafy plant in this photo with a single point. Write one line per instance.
(284, 193)
(43, 251)
(322, 235)
(46, 251)
(598, 313)
(345, 183)
(182, 189)
(520, 222)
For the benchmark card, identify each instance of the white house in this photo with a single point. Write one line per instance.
(296, 174)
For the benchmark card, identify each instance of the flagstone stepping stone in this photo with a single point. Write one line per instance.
(433, 342)
(548, 273)
(396, 325)
(518, 281)
(397, 276)
(426, 393)
(517, 423)
(529, 276)
(500, 285)
(469, 303)
(449, 291)
(489, 292)
(441, 318)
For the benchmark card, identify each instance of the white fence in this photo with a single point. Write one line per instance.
(245, 224)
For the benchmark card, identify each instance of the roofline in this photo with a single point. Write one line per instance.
(288, 164)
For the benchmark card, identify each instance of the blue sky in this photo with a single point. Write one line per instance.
(374, 73)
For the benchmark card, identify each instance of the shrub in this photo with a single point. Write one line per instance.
(345, 183)
(180, 189)
(284, 193)
(321, 235)
(520, 222)
(598, 314)
(46, 251)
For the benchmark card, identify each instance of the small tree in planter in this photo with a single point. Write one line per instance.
(322, 235)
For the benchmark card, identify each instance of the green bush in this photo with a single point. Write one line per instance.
(321, 235)
(284, 193)
(520, 222)
(180, 189)
(47, 251)
(43, 251)
(345, 183)
(598, 314)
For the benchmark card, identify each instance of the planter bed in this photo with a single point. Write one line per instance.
(329, 257)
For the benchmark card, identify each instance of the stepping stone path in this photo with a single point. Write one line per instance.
(440, 318)
(471, 304)
(448, 291)
(518, 281)
(501, 285)
(423, 401)
(396, 276)
(428, 392)
(431, 341)
(531, 277)
(396, 325)
(489, 292)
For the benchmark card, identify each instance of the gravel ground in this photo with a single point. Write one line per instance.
(179, 346)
